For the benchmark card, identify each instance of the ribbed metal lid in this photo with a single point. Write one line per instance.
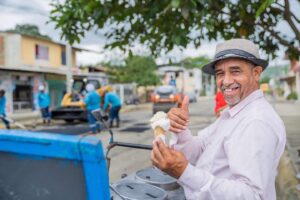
(156, 177)
(133, 190)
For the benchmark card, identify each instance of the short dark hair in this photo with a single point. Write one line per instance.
(2, 92)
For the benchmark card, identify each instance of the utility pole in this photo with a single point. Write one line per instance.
(69, 67)
(297, 76)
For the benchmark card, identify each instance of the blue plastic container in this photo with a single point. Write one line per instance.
(46, 166)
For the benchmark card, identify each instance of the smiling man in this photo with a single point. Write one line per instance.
(237, 156)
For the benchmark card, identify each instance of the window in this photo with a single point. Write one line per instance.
(95, 83)
(63, 58)
(41, 52)
(22, 97)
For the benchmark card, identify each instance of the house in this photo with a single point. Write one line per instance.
(291, 82)
(27, 62)
(188, 80)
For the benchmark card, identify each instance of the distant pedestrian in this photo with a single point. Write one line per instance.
(112, 99)
(92, 102)
(44, 103)
(172, 81)
(2, 109)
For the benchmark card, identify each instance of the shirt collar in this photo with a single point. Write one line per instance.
(250, 98)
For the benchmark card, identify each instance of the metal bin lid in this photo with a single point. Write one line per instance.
(156, 177)
(133, 190)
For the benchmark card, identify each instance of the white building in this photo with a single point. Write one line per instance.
(188, 80)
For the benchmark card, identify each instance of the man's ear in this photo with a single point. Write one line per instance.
(257, 72)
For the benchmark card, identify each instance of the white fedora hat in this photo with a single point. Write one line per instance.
(236, 48)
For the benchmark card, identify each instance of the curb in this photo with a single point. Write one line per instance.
(33, 120)
(128, 108)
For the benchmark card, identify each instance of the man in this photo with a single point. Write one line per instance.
(172, 81)
(44, 103)
(92, 101)
(114, 101)
(2, 109)
(236, 157)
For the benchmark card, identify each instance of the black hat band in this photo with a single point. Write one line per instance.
(238, 52)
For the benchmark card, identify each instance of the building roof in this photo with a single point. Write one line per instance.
(63, 44)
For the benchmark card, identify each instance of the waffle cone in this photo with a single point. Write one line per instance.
(159, 131)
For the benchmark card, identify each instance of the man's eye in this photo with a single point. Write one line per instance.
(236, 71)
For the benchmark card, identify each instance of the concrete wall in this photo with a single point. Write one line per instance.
(188, 81)
(2, 54)
(28, 53)
(13, 50)
(19, 50)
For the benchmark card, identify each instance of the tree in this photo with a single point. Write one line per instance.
(29, 29)
(197, 62)
(138, 69)
(162, 25)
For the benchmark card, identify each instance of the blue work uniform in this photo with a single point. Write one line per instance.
(92, 102)
(115, 102)
(172, 82)
(3, 113)
(44, 103)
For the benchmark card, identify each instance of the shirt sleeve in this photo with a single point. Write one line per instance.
(192, 146)
(251, 155)
(40, 99)
(86, 99)
(106, 101)
(2, 105)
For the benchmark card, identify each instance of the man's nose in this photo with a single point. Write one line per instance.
(227, 79)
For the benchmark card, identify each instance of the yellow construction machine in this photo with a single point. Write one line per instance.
(72, 106)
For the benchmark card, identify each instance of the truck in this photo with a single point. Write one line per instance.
(72, 106)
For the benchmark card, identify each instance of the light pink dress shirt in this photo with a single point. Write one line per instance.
(237, 156)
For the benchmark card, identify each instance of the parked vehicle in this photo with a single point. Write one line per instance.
(132, 99)
(164, 98)
(192, 96)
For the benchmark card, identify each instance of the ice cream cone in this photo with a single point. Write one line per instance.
(159, 131)
(160, 125)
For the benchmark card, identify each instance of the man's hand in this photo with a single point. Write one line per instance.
(168, 160)
(179, 117)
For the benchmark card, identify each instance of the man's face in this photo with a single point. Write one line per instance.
(236, 79)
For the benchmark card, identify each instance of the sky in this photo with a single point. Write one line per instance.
(13, 12)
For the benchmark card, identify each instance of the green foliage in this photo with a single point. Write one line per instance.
(279, 91)
(197, 62)
(265, 80)
(292, 96)
(163, 25)
(29, 29)
(138, 69)
(263, 7)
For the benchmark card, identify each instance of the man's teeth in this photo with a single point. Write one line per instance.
(230, 89)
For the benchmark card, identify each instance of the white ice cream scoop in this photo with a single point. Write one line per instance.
(160, 125)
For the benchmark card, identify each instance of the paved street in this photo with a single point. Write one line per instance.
(135, 128)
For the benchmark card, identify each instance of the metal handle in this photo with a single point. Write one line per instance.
(131, 145)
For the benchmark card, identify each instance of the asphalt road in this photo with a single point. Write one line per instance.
(135, 128)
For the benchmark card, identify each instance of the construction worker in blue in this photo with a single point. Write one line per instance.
(112, 99)
(92, 102)
(2, 109)
(44, 103)
(172, 81)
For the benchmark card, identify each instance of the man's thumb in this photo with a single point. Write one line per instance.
(185, 103)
